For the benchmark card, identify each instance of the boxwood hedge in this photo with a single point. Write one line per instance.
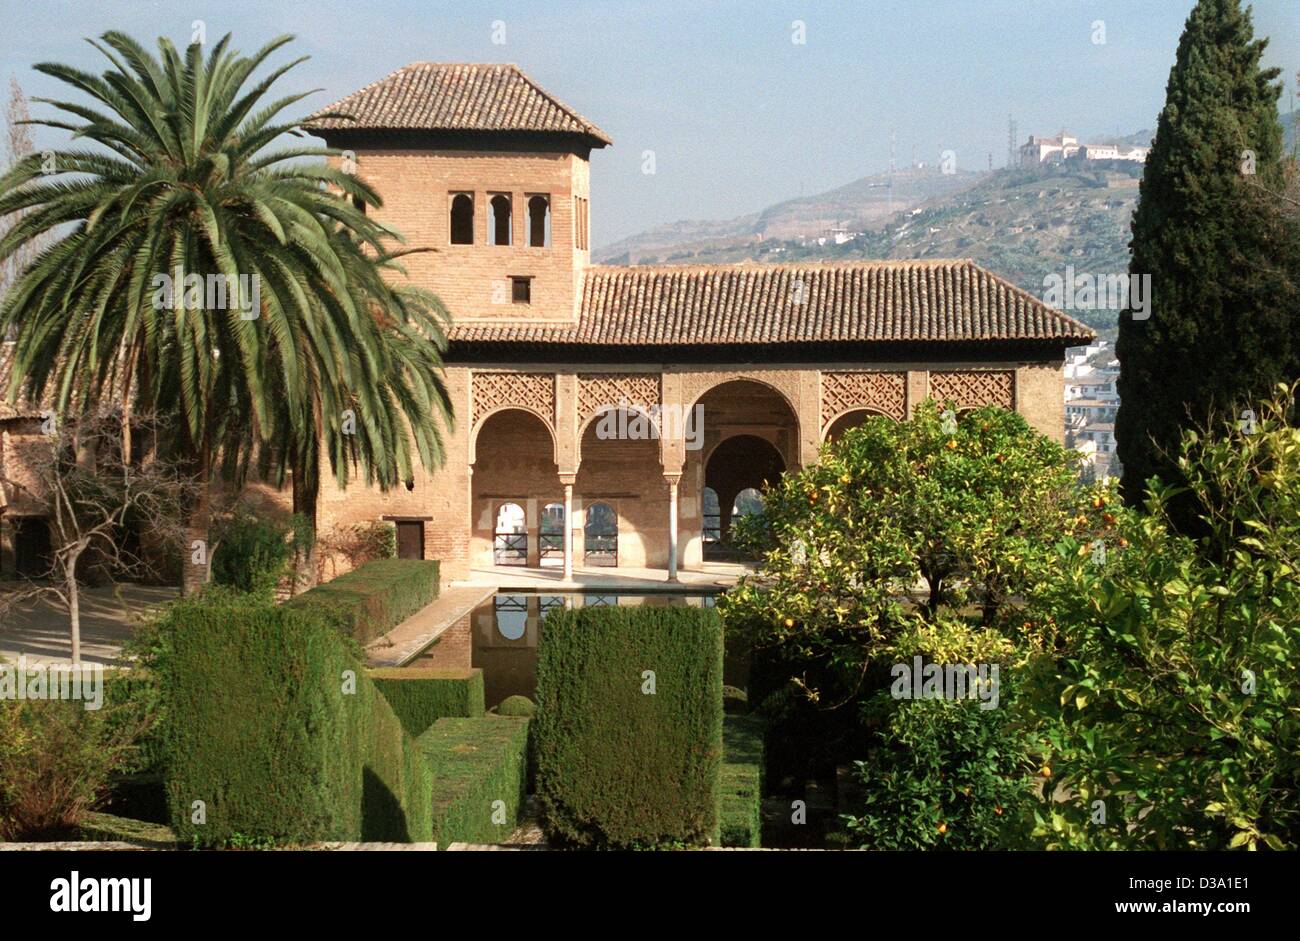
(476, 764)
(628, 731)
(272, 731)
(373, 599)
(740, 798)
(420, 697)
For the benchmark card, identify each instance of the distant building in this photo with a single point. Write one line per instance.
(1091, 403)
(1113, 152)
(1063, 147)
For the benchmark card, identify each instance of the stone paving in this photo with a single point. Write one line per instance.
(404, 642)
(39, 630)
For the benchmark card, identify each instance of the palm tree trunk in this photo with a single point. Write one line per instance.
(196, 553)
(306, 494)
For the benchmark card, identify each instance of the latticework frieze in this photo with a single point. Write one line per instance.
(884, 392)
(974, 387)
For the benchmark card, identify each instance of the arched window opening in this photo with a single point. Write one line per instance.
(551, 535)
(712, 517)
(499, 223)
(601, 536)
(510, 539)
(462, 219)
(749, 502)
(539, 221)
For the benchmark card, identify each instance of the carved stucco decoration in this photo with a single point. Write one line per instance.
(600, 391)
(971, 388)
(534, 391)
(884, 392)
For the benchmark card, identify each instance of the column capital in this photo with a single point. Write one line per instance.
(567, 479)
(673, 477)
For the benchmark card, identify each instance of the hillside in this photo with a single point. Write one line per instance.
(856, 207)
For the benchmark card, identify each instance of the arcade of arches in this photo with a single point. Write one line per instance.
(642, 469)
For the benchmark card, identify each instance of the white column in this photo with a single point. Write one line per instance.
(672, 525)
(568, 532)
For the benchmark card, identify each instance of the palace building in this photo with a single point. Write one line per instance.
(616, 416)
(728, 374)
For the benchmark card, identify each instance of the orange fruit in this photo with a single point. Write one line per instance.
(943, 828)
(1045, 771)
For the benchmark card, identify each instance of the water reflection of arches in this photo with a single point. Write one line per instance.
(510, 536)
(511, 615)
(600, 535)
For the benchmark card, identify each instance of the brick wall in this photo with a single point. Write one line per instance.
(473, 280)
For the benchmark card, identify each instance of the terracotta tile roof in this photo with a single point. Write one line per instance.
(446, 96)
(872, 301)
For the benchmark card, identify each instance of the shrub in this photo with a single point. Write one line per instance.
(253, 551)
(476, 763)
(517, 706)
(622, 762)
(1171, 696)
(740, 820)
(946, 774)
(734, 700)
(271, 722)
(137, 701)
(357, 544)
(56, 761)
(372, 600)
(420, 697)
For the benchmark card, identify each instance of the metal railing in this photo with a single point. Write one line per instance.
(510, 549)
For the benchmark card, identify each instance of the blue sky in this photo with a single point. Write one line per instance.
(738, 115)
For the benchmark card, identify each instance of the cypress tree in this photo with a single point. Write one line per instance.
(1220, 331)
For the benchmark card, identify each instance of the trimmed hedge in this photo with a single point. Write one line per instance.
(421, 697)
(616, 766)
(517, 706)
(104, 828)
(476, 762)
(259, 727)
(373, 599)
(740, 799)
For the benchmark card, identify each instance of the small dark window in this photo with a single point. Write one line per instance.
(499, 229)
(539, 221)
(462, 219)
(359, 204)
(521, 290)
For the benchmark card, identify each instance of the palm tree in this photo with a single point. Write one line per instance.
(183, 195)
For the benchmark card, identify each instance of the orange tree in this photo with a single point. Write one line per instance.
(969, 505)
